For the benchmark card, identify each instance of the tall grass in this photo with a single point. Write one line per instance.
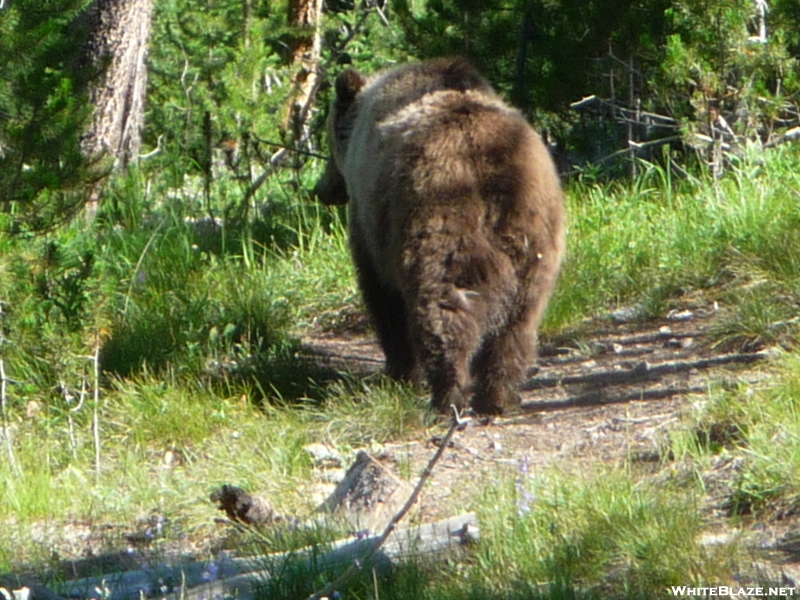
(758, 426)
(646, 242)
(609, 535)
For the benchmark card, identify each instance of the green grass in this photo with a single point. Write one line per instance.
(203, 384)
(758, 424)
(650, 241)
(553, 536)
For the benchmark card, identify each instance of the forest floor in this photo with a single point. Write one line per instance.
(609, 394)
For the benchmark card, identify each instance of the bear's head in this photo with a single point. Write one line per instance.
(331, 187)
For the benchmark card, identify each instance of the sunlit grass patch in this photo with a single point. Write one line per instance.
(166, 444)
(770, 479)
(754, 427)
(642, 242)
(374, 410)
(609, 534)
(162, 448)
(764, 313)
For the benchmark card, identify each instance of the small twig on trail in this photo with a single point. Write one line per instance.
(355, 567)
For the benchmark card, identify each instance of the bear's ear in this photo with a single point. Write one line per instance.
(348, 84)
(461, 76)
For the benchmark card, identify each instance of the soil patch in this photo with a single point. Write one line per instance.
(604, 395)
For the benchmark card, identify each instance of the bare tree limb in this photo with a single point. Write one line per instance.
(591, 101)
(792, 135)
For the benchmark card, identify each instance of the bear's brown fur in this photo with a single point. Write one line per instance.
(456, 225)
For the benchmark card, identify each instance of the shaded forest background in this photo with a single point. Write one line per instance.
(235, 88)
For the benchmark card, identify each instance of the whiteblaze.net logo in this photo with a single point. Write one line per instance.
(731, 592)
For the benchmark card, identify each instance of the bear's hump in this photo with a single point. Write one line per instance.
(390, 91)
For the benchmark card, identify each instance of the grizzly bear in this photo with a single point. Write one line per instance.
(456, 226)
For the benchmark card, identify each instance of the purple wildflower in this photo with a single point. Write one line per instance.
(525, 498)
(211, 572)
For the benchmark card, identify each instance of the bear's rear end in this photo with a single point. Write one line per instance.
(456, 226)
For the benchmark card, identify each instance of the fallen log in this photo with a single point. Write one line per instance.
(236, 575)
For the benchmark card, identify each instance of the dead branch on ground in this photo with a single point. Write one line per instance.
(357, 565)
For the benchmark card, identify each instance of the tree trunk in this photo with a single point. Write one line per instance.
(117, 47)
(305, 46)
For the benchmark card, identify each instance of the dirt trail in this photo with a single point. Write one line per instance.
(606, 395)
(609, 395)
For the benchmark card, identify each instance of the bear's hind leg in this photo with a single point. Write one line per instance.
(500, 367)
(389, 314)
(507, 352)
(447, 337)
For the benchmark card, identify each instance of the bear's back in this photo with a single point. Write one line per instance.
(390, 91)
(434, 140)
